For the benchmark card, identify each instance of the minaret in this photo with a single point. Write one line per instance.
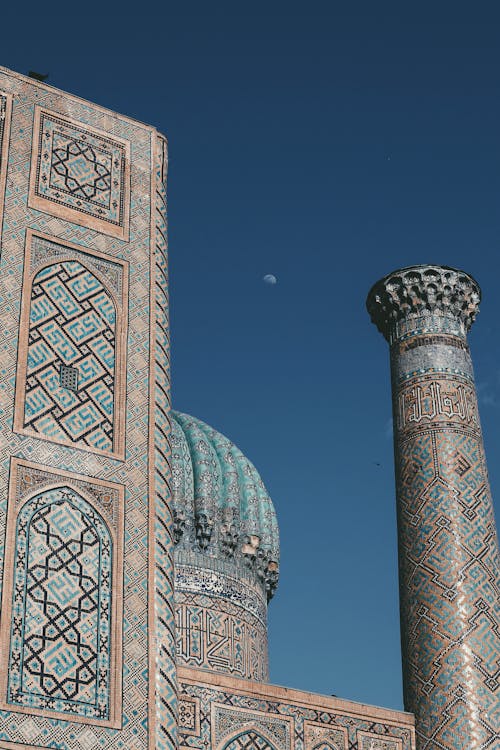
(449, 571)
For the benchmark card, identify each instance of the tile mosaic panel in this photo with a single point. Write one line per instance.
(80, 174)
(189, 716)
(228, 586)
(215, 634)
(229, 724)
(249, 740)
(71, 350)
(369, 741)
(62, 597)
(28, 478)
(137, 730)
(321, 737)
(163, 696)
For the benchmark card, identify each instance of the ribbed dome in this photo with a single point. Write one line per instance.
(220, 505)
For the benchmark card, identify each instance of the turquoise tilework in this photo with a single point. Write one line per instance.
(135, 731)
(224, 712)
(448, 548)
(72, 323)
(79, 169)
(61, 609)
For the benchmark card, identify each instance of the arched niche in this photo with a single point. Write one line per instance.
(59, 608)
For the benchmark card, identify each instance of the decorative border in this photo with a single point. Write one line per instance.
(184, 702)
(265, 699)
(162, 709)
(217, 635)
(382, 739)
(5, 745)
(5, 118)
(246, 719)
(31, 478)
(68, 252)
(16, 501)
(190, 579)
(323, 734)
(140, 644)
(62, 210)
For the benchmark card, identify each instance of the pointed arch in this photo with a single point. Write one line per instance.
(60, 608)
(250, 737)
(71, 367)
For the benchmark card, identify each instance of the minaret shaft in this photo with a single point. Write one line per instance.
(448, 551)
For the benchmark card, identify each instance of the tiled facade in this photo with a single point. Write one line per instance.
(225, 713)
(62, 595)
(87, 618)
(448, 548)
(138, 546)
(72, 346)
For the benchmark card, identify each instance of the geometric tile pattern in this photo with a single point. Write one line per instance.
(189, 716)
(321, 737)
(5, 114)
(72, 324)
(69, 394)
(369, 741)
(193, 575)
(448, 549)
(162, 662)
(132, 727)
(80, 174)
(286, 721)
(28, 478)
(62, 597)
(449, 588)
(249, 740)
(61, 626)
(228, 722)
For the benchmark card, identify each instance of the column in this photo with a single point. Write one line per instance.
(449, 571)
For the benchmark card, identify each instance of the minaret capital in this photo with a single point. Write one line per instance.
(417, 290)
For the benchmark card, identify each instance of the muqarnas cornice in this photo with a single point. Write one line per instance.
(419, 291)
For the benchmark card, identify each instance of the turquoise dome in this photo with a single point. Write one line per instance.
(221, 508)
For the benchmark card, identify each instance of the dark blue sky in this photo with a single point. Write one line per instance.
(326, 143)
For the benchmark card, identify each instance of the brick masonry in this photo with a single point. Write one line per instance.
(448, 548)
(226, 713)
(82, 202)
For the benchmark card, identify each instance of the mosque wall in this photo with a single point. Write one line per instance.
(85, 531)
(225, 713)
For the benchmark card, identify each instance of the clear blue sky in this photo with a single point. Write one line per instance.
(326, 143)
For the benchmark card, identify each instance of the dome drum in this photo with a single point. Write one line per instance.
(225, 542)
